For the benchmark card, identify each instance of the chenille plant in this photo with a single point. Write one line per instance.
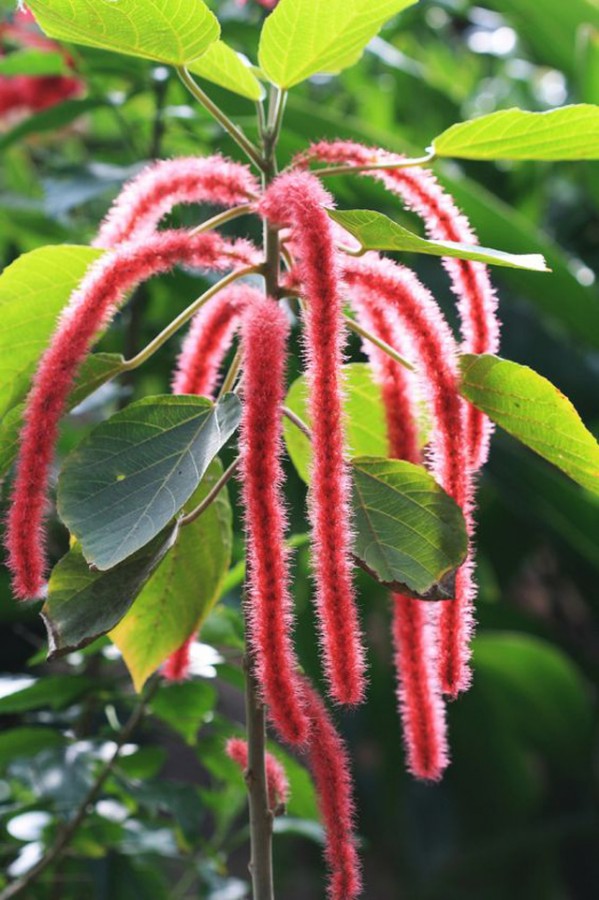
(137, 486)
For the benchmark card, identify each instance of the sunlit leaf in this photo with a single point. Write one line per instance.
(535, 412)
(223, 66)
(570, 132)
(303, 37)
(376, 231)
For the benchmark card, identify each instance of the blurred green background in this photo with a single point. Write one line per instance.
(516, 817)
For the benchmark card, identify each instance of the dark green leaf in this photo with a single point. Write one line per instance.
(52, 691)
(410, 535)
(535, 412)
(51, 119)
(20, 743)
(83, 603)
(135, 471)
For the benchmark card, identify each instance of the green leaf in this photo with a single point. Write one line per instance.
(570, 132)
(95, 371)
(181, 593)
(184, 706)
(364, 414)
(410, 535)
(84, 603)
(52, 119)
(33, 62)
(223, 66)
(303, 37)
(169, 31)
(33, 290)
(21, 743)
(535, 412)
(376, 231)
(122, 485)
(52, 691)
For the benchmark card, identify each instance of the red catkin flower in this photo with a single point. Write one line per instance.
(394, 287)
(422, 193)
(269, 603)
(89, 310)
(296, 200)
(414, 621)
(329, 763)
(146, 199)
(209, 338)
(276, 777)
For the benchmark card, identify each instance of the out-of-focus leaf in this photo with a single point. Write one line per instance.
(52, 119)
(133, 474)
(303, 37)
(410, 535)
(570, 132)
(375, 231)
(21, 743)
(535, 412)
(223, 66)
(84, 603)
(179, 595)
(168, 31)
(33, 62)
(53, 691)
(184, 706)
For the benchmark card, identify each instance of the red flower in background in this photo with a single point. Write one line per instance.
(22, 95)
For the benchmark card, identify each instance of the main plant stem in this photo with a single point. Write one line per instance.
(261, 817)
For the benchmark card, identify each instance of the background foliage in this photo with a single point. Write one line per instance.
(517, 812)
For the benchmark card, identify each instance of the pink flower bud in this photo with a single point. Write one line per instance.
(276, 777)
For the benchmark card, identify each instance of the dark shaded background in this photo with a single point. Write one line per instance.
(516, 816)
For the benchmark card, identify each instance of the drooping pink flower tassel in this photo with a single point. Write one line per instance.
(422, 193)
(146, 199)
(209, 339)
(296, 200)
(414, 621)
(329, 764)
(204, 349)
(276, 778)
(269, 602)
(394, 287)
(89, 310)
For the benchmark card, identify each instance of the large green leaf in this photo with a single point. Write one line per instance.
(570, 132)
(303, 37)
(185, 707)
(96, 371)
(364, 412)
(181, 593)
(51, 691)
(170, 31)
(223, 66)
(84, 603)
(410, 535)
(535, 412)
(375, 231)
(33, 290)
(121, 486)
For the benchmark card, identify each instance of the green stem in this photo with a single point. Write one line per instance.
(211, 496)
(382, 345)
(184, 317)
(228, 215)
(330, 171)
(250, 149)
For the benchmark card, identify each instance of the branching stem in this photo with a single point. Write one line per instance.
(228, 215)
(373, 339)
(211, 496)
(330, 171)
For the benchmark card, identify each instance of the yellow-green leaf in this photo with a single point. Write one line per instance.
(303, 37)
(570, 132)
(223, 66)
(169, 31)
